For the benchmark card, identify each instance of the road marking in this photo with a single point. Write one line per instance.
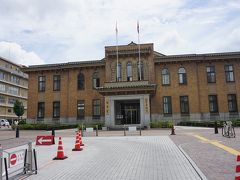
(216, 143)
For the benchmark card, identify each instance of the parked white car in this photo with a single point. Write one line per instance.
(4, 122)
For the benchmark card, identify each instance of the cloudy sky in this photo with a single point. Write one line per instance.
(53, 31)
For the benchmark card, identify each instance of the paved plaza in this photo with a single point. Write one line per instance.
(192, 153)
(149, 157)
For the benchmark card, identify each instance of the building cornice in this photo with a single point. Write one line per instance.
(68, 65)
(198, 57)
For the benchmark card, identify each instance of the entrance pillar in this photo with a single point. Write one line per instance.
(110, 108)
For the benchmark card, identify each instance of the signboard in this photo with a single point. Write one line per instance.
(132, 129)
(89, 129)
(107, 106)
(45, 140)
(16, 158)
(146, 105)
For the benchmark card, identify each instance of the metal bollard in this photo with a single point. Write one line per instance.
(140, 129)
(1, 161)
(17, 132)
(53, 132)
(30, 156)
(124, 130)
(216, 127)
(96, 130)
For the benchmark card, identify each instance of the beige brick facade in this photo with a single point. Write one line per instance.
(13, 86)
(197, 89)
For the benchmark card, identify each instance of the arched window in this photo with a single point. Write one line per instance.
(129, 71)
(96, 80)
(182, 76)
(165, 77)
(81, 81)
(140, 71)
(119, 72)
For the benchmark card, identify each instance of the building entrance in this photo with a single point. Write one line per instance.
(127, 112)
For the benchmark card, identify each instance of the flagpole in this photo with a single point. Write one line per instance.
(117, 48)
(139, 61)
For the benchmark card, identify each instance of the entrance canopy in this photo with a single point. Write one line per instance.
(123, 88)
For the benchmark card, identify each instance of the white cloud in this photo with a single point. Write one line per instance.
(69, 30)
(15, 53)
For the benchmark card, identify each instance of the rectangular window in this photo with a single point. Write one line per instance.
(41, 109)
(211, 77)
(80, 109)
(56, 109)
(184, 105)
(13, 90)
(2, 99)
(96, 109)
(14, 79)
(96, 83)
(213, 103)
(165, 79)
(2, 75)
(232, 103)
(167, 105)
(11, 101)
(2, 87)
(41, 83)
(229, 74)
(56, 82)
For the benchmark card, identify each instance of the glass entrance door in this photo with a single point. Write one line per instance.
(127, 112)
(131, 115)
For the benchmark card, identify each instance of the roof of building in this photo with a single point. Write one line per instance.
(11, 62)
(206, 56)
(131, 48)
(66, 65)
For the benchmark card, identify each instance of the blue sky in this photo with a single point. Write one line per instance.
(37, 32)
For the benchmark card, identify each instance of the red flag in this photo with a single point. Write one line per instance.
(138, 27)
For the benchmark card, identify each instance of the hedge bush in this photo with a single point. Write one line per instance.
(45, 126)
(236, 123)
(88, 125)
(161, 124)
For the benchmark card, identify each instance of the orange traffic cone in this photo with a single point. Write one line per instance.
(80, 139)
(77, 144)
(60, 153)
(237, 175)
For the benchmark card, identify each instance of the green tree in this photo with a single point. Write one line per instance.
(18, 108)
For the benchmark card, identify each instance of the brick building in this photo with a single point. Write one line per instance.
(179, 87)
(13, 86)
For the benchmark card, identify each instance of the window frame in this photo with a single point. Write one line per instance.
(81, 81)
(41, 84)
(140, 67)
(80, 117)
(182, 76)
(228, 72)
(164, 75)
(42, 107)
(95, 80)
(211, 73)
(96, 116)
(129, 78)
(2, 76)
(168, 104)
(56, 83)
(56, 106)
(233, 102)
(184, 104)
(119, 72)
(213, 102)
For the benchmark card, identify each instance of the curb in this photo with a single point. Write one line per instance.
(193, 164)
